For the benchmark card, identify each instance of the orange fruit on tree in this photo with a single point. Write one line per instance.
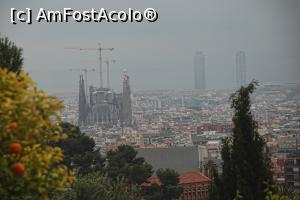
(60, 158)
(15, 148)
(13, 125)
(17, 168)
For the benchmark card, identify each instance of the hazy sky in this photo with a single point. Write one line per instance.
(159, 55)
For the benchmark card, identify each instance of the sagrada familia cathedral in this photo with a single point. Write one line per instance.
(103, 107)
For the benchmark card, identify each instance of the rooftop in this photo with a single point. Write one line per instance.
(184, 178)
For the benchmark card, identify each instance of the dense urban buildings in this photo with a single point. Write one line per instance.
(292, 171)
(183, 129)
(199, 71)
(241, 76)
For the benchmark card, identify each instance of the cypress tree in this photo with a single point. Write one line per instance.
(229, 175)
(246, 163)
(216, 187)
(248, 147)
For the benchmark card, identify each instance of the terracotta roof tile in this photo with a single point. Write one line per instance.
(192, 177)
(184, 178)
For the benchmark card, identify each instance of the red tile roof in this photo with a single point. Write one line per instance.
(192, 177)
(184, 178)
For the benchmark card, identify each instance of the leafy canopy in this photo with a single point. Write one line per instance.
(28, 117)
(79, 150)
(10, 55)
(124, 163)
(168, 188)
(246, 163)
(96, 186)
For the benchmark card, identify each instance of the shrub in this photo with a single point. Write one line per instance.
(29, 167)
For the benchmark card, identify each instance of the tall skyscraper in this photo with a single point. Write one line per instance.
(240, 61)
(199, 71)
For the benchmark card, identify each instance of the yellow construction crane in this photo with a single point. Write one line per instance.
(100, 49)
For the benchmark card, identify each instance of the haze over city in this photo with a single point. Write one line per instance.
(159, 55)
(201, 101)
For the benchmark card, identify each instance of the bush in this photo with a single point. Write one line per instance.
(29, 167)
(96, 186)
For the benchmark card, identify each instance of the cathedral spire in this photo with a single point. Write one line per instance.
(82, 103)
(126, 101)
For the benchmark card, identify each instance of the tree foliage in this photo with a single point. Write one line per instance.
(10, 55)
(124, 163)
(228, 191)
(79, 151)
(246, 167)
(168, 188)
(271, 196)
(29, 167)
(216, 188)
(169, 179)
(96, 186)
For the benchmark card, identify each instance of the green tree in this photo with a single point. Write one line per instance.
(271, 196)
(10, 55)
(124, 163)
(168, 188)
(216, 188)
(169, 179)
(282, 191)
(96, 186)
(152, 192)
(229, 175)
(248, 148)
(80, 153)
(246, 163)
(29, 120)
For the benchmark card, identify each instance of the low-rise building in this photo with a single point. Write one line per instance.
(195, 185)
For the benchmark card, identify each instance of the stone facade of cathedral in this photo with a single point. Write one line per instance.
(105, 108)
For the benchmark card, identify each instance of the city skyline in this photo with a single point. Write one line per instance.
(149, 100)
(163, 48)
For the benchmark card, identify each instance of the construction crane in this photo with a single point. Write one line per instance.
(107, 65)
(85, 70)
(100, 49)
